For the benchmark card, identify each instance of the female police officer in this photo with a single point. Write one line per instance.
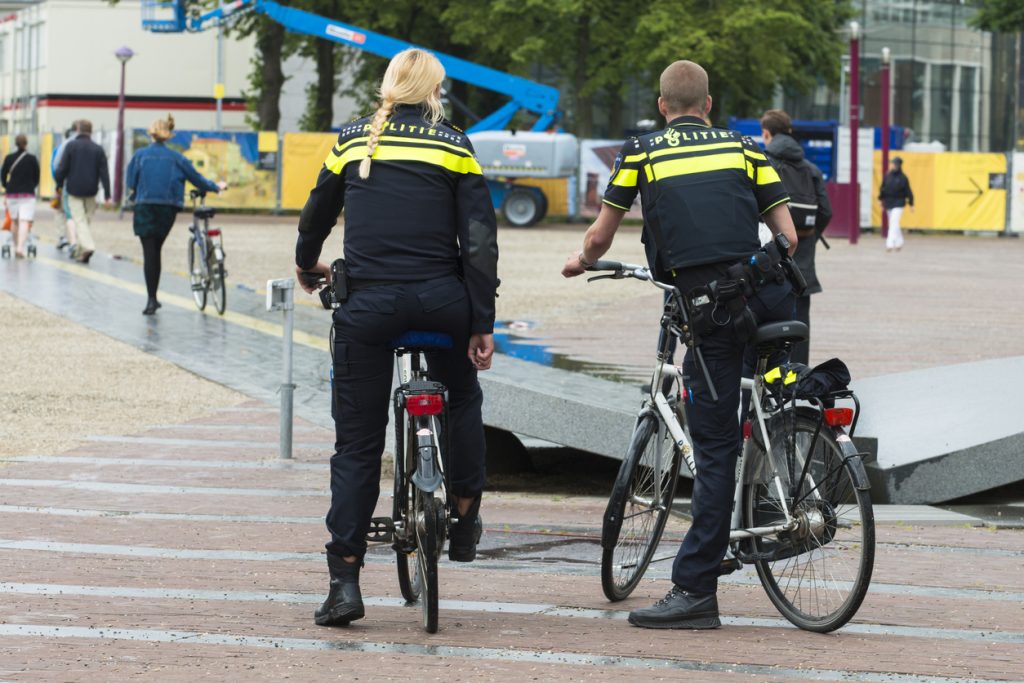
(420, 253)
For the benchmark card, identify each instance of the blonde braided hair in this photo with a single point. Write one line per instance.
(413, 77)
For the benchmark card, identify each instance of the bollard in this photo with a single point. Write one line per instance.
(280, 298)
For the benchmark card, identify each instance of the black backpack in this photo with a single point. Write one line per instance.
(798, 179)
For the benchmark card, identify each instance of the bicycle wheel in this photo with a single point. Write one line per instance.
(197, 272)
(409, 580)
(426, 520)
(217, 286)
(817, 574)
(638, 508)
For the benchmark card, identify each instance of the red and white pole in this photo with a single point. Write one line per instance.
(854, 129)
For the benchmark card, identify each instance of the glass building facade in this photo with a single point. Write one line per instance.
(950, 83)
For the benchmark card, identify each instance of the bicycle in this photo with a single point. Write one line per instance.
(421, 510)
(206, 255)
(802, 514)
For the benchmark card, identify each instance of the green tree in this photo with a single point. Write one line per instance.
(1000, 16)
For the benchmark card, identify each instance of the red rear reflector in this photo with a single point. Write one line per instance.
(748, 429)
(213, 232)
(425, 404)
(839, 417)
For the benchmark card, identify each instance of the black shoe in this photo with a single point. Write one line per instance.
(151, 307)
(84, 258)
(61, 243)
(465, 534)
(679, 609)
(344, 602)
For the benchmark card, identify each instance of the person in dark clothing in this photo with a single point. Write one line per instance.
(781, 149)
(20, 178)
(895, 194)
(156, 182)
(421, 253)
(703, 191)
(81, 171)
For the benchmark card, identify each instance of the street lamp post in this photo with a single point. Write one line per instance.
(854, 129)
(886, 58)
(123, 54)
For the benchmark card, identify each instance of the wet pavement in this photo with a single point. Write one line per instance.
(185, 551)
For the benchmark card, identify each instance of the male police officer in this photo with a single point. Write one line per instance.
(703, 191)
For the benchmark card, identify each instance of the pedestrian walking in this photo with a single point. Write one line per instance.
(702, 191)
(894, 195)
(66, 236)
(421, 253)
(808, 205)
(20, 178)
(156, 183)
(81, 171)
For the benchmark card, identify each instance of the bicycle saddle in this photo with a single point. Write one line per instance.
(205, 211)
(785, 332)
(421, 340)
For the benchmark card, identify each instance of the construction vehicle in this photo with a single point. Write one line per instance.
(504, 155)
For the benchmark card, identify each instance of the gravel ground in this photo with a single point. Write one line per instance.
(114, 388)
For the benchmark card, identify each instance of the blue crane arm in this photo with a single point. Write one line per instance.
(537, 98)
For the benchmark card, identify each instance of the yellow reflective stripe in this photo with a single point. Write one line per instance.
(766, 175)
(614, 204)
(717, 162)
(790, 378)
(438, 157)
(633, 158)
(695, 148)
(772, 375)
(626, 177)
(649, 173)
(355, 150)
(781, 201)
(755, 155)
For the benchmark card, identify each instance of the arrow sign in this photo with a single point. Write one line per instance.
(977, 191)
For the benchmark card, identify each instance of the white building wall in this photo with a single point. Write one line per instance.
(70, 46)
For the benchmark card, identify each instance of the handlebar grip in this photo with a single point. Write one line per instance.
(606, 265)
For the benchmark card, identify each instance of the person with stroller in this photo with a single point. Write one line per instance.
(19, 176)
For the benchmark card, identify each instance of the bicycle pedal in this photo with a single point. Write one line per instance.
(729, 565)
(382, 530)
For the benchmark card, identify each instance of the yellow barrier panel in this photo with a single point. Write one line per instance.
(555, 189)
(952, 190)
(302, 157)
(46, 187)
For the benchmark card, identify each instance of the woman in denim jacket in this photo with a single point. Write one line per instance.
(156, 182)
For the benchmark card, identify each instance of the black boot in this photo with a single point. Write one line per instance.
(151, 306)
(344, 602)
(465, 534)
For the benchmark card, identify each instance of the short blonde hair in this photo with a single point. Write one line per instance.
(413, 77)
(162, 129)
(684, 87)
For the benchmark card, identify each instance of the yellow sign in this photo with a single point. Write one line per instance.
(266, 141)
(218, 91)
(46, 185)
(302, 158)
(952, 190)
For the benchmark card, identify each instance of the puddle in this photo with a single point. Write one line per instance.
(509, 340)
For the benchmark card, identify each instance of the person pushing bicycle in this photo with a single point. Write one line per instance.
(421, 253)
(702, 192)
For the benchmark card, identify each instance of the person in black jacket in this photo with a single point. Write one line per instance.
(20, 178)
(894, 194)
(82, 168)
(421, 253)
(787, 156)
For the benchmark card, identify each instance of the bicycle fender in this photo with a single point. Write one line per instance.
(855, 459)
(427, 476)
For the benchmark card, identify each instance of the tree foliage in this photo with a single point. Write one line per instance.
(1000, 16)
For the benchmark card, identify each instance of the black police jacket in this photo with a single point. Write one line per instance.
(895, 191)
(702, 191)
(425, 211)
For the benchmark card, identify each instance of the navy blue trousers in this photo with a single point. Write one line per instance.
(715, 430)
(361, 400)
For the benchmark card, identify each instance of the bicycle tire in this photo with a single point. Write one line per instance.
(426, 514)
(632, 526)
(218, 288)
(822, 569)
(410, 583)
(197, 273)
